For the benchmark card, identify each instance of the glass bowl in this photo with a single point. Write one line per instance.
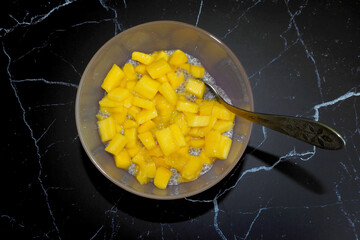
(217, 59)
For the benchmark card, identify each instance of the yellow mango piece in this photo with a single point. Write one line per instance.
(130, 85)
(181, 122)
(175, 79)
(128, 102)
(163, 79)
(145, 115)
(166, 141)
(162, 177)
(160, 162)
(195, 87)
(168, 92)
(147, 87)
(197, 71)
(177, 135)
(197, 132)
(206, 107)
(178, 58)
(220, 112)
(197, 142)
(143, 103)
(178, 160)
(133, 150)
(107, 129)
(212, 140)
(147, 140)
(158, 68)
(146, 126)
(130, 72)
(131, 136)
(128, 123)
(113, 78)
(210, 126)
(139, 158)
(133, 111)
(142, 57)
(205, 159)
(122, 160)
(140, 69)
(120, 117)
(223, 147)
(112, 109)
(141, 175)
(223, 125)
(185, 66)
(109, 103)
(160, 54)
(187, 106)
(197, 120)
(150, 169)
(156, 152)
(192, 169)
(117, 144)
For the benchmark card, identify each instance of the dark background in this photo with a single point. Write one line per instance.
(302, 59)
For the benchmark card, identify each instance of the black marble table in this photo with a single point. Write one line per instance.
(302, 59)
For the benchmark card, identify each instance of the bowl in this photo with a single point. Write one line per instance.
(219, 62)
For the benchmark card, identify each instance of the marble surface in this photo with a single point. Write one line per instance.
(302, 59)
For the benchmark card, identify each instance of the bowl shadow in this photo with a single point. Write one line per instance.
(160, 210)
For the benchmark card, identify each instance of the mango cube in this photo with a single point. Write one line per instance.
(206, 108)
(143, 103)
(140, 69)
(117, 144)
(122, 160)
(197, 71)
(217, 145)
(119, 117)
(130, 72)
(128, 123)
(192, 168)
(187, 106)
(145, 115)
(113, 78)
(195, 87)
(141, 175)
(158, 68)
(147, 87)
(197, 120)
(162, 177)
(131, 136)
(142, 57)
(178, 58)
(220, 112)
(119, 94)
(146, 126)
(197, 142)
(107, 129)
(150, 169)
(166, 141)
(106, 102)
(223, 125)
(176, 79)
(168, 92)
(177, 135)
(160, 54)
(147, 140)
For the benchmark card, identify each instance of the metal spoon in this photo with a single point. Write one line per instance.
(309, 131)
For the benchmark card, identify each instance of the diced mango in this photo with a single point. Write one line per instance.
(133, 150)
(130, 85)
(133, 111)
(195, 87)
(143, 103)
(161, 161)
(166, 141)
(176, 79)
(142, 57)
(130, 72)
(206, 108)
(128, 101)
(197, 142)
(146, 126)
(197, 71)
(140, 69)
(108, 103)
(162, 177)
(131, 136)
(185, 66)
(119, 117)
(223, 125)
(181, 122)
(156, 152)
(163, 79)
(197, 120)
(113, 78)
(158, 68)
(147, 87)
(141, 176)
(177, 135)
(147, 140)
(168, 92)
(224, 147)
(117, 144)
(128, 123)
(150, 169)
(107, 129)
(192, 168)
(145, 115)
(160, 54)
(205, 159)
(220, 112)
(122, 160)
(187, 106)
(217, 145)
(178, 58)
(119, 94)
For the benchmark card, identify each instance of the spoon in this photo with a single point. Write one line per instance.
(306, 130)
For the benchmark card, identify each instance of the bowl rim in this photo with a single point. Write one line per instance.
(127, 188)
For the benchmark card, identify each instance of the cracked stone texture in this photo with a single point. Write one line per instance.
(302, 59)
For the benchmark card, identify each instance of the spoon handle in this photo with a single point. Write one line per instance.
(306, 130)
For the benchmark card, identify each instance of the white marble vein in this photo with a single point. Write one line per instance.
(199, 13)
(118, 27)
